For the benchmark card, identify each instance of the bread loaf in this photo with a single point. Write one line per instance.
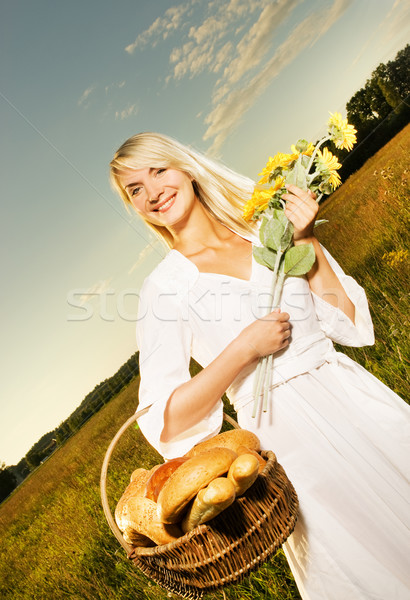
(195, 474)
(209, 502)
(243, 472)
(160, 475)
(232, 439)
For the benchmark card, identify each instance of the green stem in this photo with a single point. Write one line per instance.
(312, 158)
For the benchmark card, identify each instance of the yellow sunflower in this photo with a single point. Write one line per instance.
(280, 160)
(307, 152)
(327, 164)
(258, 201)
(341, 133)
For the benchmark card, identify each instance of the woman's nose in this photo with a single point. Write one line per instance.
(154, 192)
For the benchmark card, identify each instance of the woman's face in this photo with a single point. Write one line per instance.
(162, 196)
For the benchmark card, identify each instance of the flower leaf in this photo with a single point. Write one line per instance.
(298, 175)
(265, 256)
(273, 231)
(299, 259)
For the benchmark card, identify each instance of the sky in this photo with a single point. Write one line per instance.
(237, 79)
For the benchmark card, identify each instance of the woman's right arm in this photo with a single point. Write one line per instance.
(193, 400)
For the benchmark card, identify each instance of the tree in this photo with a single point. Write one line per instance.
(7, 481)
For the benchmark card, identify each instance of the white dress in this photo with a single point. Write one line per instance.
(342, 436)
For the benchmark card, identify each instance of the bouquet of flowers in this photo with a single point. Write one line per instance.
(311, 169)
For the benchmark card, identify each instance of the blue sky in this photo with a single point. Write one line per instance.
(240, 79)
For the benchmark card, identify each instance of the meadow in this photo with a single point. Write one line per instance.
(55, 540)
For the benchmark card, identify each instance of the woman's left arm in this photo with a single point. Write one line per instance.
(301, 210)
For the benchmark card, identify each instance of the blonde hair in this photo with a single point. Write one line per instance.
(222, 192)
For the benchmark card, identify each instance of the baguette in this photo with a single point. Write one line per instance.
(209, 502)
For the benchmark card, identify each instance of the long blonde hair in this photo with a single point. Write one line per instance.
(222, 192)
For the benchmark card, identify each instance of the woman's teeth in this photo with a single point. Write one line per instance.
(166, 205)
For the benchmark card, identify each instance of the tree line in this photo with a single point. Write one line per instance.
(379, 110)
(12, 476)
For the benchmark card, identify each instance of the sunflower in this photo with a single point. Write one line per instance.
(327, 165)
(279, 161)
(341, 133)
(307, 152)
(259, 201)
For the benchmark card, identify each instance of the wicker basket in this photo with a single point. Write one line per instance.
(228, 547)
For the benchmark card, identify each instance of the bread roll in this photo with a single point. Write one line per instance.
(160, 475)
(136, 539)
(243, 472)
(245, 450)
(135, 488)
(232, 439)
(195, 474)
(140, 517)
(209, 502)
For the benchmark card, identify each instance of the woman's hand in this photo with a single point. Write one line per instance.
(301, 210)
(266, 335)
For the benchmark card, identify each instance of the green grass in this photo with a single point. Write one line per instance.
(55, 540)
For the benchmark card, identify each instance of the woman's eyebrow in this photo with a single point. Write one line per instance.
(137, 182)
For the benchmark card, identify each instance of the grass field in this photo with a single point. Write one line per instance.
(55, 541)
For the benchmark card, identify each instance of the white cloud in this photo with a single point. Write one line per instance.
(223, 119)
(162, 26)
(85, 95)
(129, 111)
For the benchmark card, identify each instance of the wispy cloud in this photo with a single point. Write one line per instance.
(162, 26)
(240, 42)
(85, 95)
(95, 290)
(141, 257)
(129, 111)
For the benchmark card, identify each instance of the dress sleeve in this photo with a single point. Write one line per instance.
(333, 321)
(164, 339)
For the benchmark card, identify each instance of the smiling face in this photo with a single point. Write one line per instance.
(162, 196)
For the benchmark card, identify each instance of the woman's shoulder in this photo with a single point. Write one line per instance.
(174, 274)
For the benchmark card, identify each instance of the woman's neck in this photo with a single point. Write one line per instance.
(200, 231)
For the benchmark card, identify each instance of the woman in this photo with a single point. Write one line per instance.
(340, 434)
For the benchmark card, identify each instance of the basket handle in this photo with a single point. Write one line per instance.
(103, 479)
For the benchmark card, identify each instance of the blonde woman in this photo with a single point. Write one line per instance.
(341, 435)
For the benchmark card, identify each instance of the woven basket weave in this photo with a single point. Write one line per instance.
(228, 547)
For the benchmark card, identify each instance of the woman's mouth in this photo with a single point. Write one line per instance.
(164, 207)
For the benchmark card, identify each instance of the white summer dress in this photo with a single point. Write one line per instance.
(342, 436)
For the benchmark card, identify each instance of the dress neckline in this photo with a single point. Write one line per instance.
(211, 274)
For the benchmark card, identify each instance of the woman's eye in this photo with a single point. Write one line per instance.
(135, 191)
(160, 171)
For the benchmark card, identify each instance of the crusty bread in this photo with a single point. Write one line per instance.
(209, 502)
(159, 476)
(140, 517)
(195, 474)
(232, 439)
(135, 488)
(136, 539)
(245, 450)
(243, 472)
